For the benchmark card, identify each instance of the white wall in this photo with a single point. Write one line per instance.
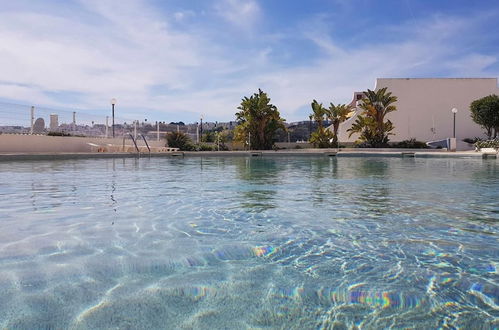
(424, 103)
(42, 143)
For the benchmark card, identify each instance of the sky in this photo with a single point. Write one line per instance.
(178, 60)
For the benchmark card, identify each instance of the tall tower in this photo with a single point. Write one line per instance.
(54, 122)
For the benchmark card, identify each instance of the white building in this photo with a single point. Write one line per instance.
(54, 122)
(424, 107)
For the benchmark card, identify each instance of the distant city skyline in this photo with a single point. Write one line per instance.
(178, 60)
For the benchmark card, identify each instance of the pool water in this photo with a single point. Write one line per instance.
(236, 243)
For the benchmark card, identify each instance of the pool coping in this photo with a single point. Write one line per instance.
(409, 153)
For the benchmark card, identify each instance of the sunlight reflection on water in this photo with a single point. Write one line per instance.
(303, 242)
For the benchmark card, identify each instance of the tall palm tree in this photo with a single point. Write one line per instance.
(363, 125)
(371, 123)
(259, 120)
(321, 137)
(337, 114)
(318, 113)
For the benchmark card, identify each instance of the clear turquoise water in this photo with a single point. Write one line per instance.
(210, 243)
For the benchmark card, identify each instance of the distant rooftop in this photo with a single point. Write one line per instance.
(439, 78)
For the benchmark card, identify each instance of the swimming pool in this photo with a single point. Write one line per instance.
(288, 242)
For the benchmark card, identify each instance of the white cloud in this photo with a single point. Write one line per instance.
(429, 49)
(120, 54)
(170, 74)
(242, 13)
(18, 92)
(183, 15)
(471, 65)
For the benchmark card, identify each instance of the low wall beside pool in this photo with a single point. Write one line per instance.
(19, 143)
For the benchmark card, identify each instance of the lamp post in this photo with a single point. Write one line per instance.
(201, 127)
(454, 111)
(197, 133)
(309, 127)
(113, 102)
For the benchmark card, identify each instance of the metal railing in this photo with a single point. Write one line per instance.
(134, 142)
(147, 144)
(27, 119)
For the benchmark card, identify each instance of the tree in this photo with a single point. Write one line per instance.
(485, 112)
(179, 140)
(258, 120)
(221, 138)
(337, 114)
(208, 136)
(322, 137)
(371, 124)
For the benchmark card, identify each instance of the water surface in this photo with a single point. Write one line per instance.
(288, 242)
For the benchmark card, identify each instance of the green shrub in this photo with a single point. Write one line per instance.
(358, 144)
(58, 134)
(487, 144)
(411, 144)
(322, 138)
(204, 147)
(179, 140)
(219, 147)
(224, 147)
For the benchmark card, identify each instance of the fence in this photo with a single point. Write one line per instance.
(24, 119)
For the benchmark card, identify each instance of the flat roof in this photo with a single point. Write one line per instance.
(436, 78)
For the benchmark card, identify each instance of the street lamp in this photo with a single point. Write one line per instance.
(113, 102)
(310, 127)
(197, 133)
(201, 127)
(454, 111)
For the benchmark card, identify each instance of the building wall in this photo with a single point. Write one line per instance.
(426, 103)
(14, 143)
(54, 122)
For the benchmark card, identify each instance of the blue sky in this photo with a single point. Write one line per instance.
(175, 60)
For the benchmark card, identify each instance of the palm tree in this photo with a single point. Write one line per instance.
(363, 125)
(371, 124)
(321, 137)
(338, 114)
(258, 120)
(319, 112)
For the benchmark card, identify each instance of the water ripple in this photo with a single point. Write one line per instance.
(249, 243)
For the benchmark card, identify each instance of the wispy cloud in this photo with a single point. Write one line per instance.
(430, 51)
(241, 13)
(184, 14)
(472, 65)
(174, 71)
(120, 54)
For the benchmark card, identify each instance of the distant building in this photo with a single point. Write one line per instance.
(54, 122)
(424, 107)
(39, 126)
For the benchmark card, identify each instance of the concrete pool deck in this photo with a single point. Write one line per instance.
(419, 153)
